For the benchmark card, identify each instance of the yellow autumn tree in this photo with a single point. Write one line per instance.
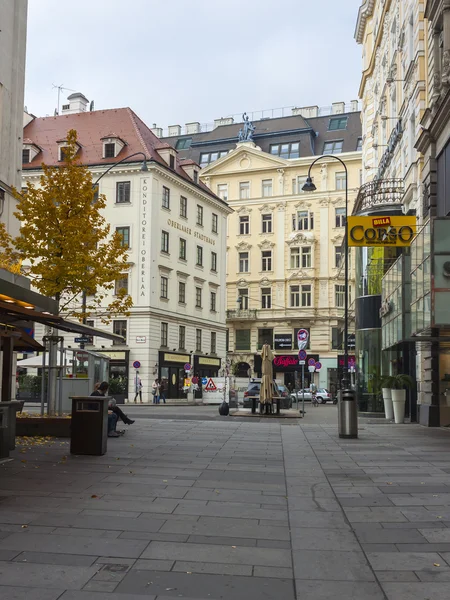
(65, 240)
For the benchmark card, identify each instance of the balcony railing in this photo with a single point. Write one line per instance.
(241, 314)
(381, 193)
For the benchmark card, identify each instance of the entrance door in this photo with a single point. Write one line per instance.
(174, 383)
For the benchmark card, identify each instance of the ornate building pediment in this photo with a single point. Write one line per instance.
(301, 238)
(340, 201)
(243, 210)
(300, 274)
(265, 282)
(337, 238)
(266, 208)
(266, 245)
(243, 246)
(242, 283)
(303, 204)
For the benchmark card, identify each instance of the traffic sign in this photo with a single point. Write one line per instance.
(302, 362)
(311, 362)
(187, 367)
(204, 380)
(302, 338)
(84, 339)
(137, 364)
(210, 386)
(318, 365)
(302, 355)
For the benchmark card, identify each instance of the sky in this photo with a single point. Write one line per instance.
(178, 61)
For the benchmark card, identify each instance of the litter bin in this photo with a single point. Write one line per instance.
(13, 407)
(89, 428)
(347, 414)
(4, 432)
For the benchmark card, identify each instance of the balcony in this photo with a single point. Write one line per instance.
(242, 315)
(379, 194)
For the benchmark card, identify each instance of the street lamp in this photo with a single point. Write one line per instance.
(144, 168)
(310, 187)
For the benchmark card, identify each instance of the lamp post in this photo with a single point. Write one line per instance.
(144, 168)
(310, 187)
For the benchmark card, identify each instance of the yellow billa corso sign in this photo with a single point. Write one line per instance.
(381, 231)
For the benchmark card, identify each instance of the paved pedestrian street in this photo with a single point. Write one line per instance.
(230, 510)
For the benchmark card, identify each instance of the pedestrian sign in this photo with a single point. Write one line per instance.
(210, 386)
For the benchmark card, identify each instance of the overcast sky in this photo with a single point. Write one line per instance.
(175, 61)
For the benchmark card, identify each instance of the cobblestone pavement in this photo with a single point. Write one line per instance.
(230, 510)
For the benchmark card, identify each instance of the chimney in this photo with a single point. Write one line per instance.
(308, 112)
(223, 121)
(174, 130)
(337, 108)
(77, 104)
(355, 105)
(193, 127)
(157, 130)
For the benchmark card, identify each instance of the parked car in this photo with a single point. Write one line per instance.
(254, 388)
(322, 395)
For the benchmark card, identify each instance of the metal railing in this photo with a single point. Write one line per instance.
(379, 193)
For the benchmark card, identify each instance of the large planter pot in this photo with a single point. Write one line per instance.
(388, 407)
(398, 401)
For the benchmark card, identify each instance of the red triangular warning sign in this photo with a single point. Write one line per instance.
(210, 386)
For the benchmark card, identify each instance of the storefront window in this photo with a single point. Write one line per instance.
(421, 281)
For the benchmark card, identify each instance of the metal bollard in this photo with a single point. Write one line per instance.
(347, 414)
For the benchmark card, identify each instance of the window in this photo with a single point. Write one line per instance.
(337, 256)
(199, 214)
(181, 292)
(306, 295)
(213, 301)
(359, 143)
(243, 262)
(340, 180)
(181, 337)
(183, 144)
(164, 334)
(195, 176)
(183, 207)
(121, 284)
(199, 256)
(298, 183)
(198, 340)
(303, 221)
(339, 294)
(183, 246)
(165, 242)
(242, 339)
(124, 233)
(198, 297)
(243, 299)
(338, 123)
(266, 188)
(120, 328)
(222, 191)
(266, 298)
(213, 342)
(164, 287)
(215, 223)
(209, 157)
(214, 261)
(295, 258)
(306, 257)
(244, 225)
(110, 150)
(244, 190)
(172, 161)
(301, 257)
(62, 154)
(25, 156)
(165, 197)
(266, 257)
(340, 217)
(123, 192)
(295, 296)
(286, 150)
(337, 339)
(333, 147)
(267, 223)
(265, 336)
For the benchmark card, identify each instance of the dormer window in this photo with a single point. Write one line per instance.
(112, 145)
(172, 161)
(29, 151)
(62, 149)
(25, 156)
(195, 176)
(62, 153)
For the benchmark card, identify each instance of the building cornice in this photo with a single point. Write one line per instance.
(365, 11)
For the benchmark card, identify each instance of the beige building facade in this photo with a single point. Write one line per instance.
(284, 267)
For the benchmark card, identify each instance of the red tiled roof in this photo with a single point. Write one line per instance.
(91, 127)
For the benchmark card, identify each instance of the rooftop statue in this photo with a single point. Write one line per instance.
(246, 133)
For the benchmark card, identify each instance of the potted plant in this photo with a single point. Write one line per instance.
(386, 390)
(399, 383)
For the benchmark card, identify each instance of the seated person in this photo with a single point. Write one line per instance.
(102, 390)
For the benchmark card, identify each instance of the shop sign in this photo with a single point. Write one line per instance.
(114, 355)
(386, 307)
(351, 361)
(214, 362)
(381, 231)
(188, 231)
(178, 358)
(141, 339)
(283, 341)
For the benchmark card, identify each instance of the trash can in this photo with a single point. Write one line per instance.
(89, 428)
(347, 414)
(13, 406)
(4, 432)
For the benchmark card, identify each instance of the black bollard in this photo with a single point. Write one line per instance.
(224, 409)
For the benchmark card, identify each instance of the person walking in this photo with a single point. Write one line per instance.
(138, 387)
(162, 391)
(156, 387)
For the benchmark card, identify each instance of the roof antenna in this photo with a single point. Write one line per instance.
(91, 106)
(59, 88)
